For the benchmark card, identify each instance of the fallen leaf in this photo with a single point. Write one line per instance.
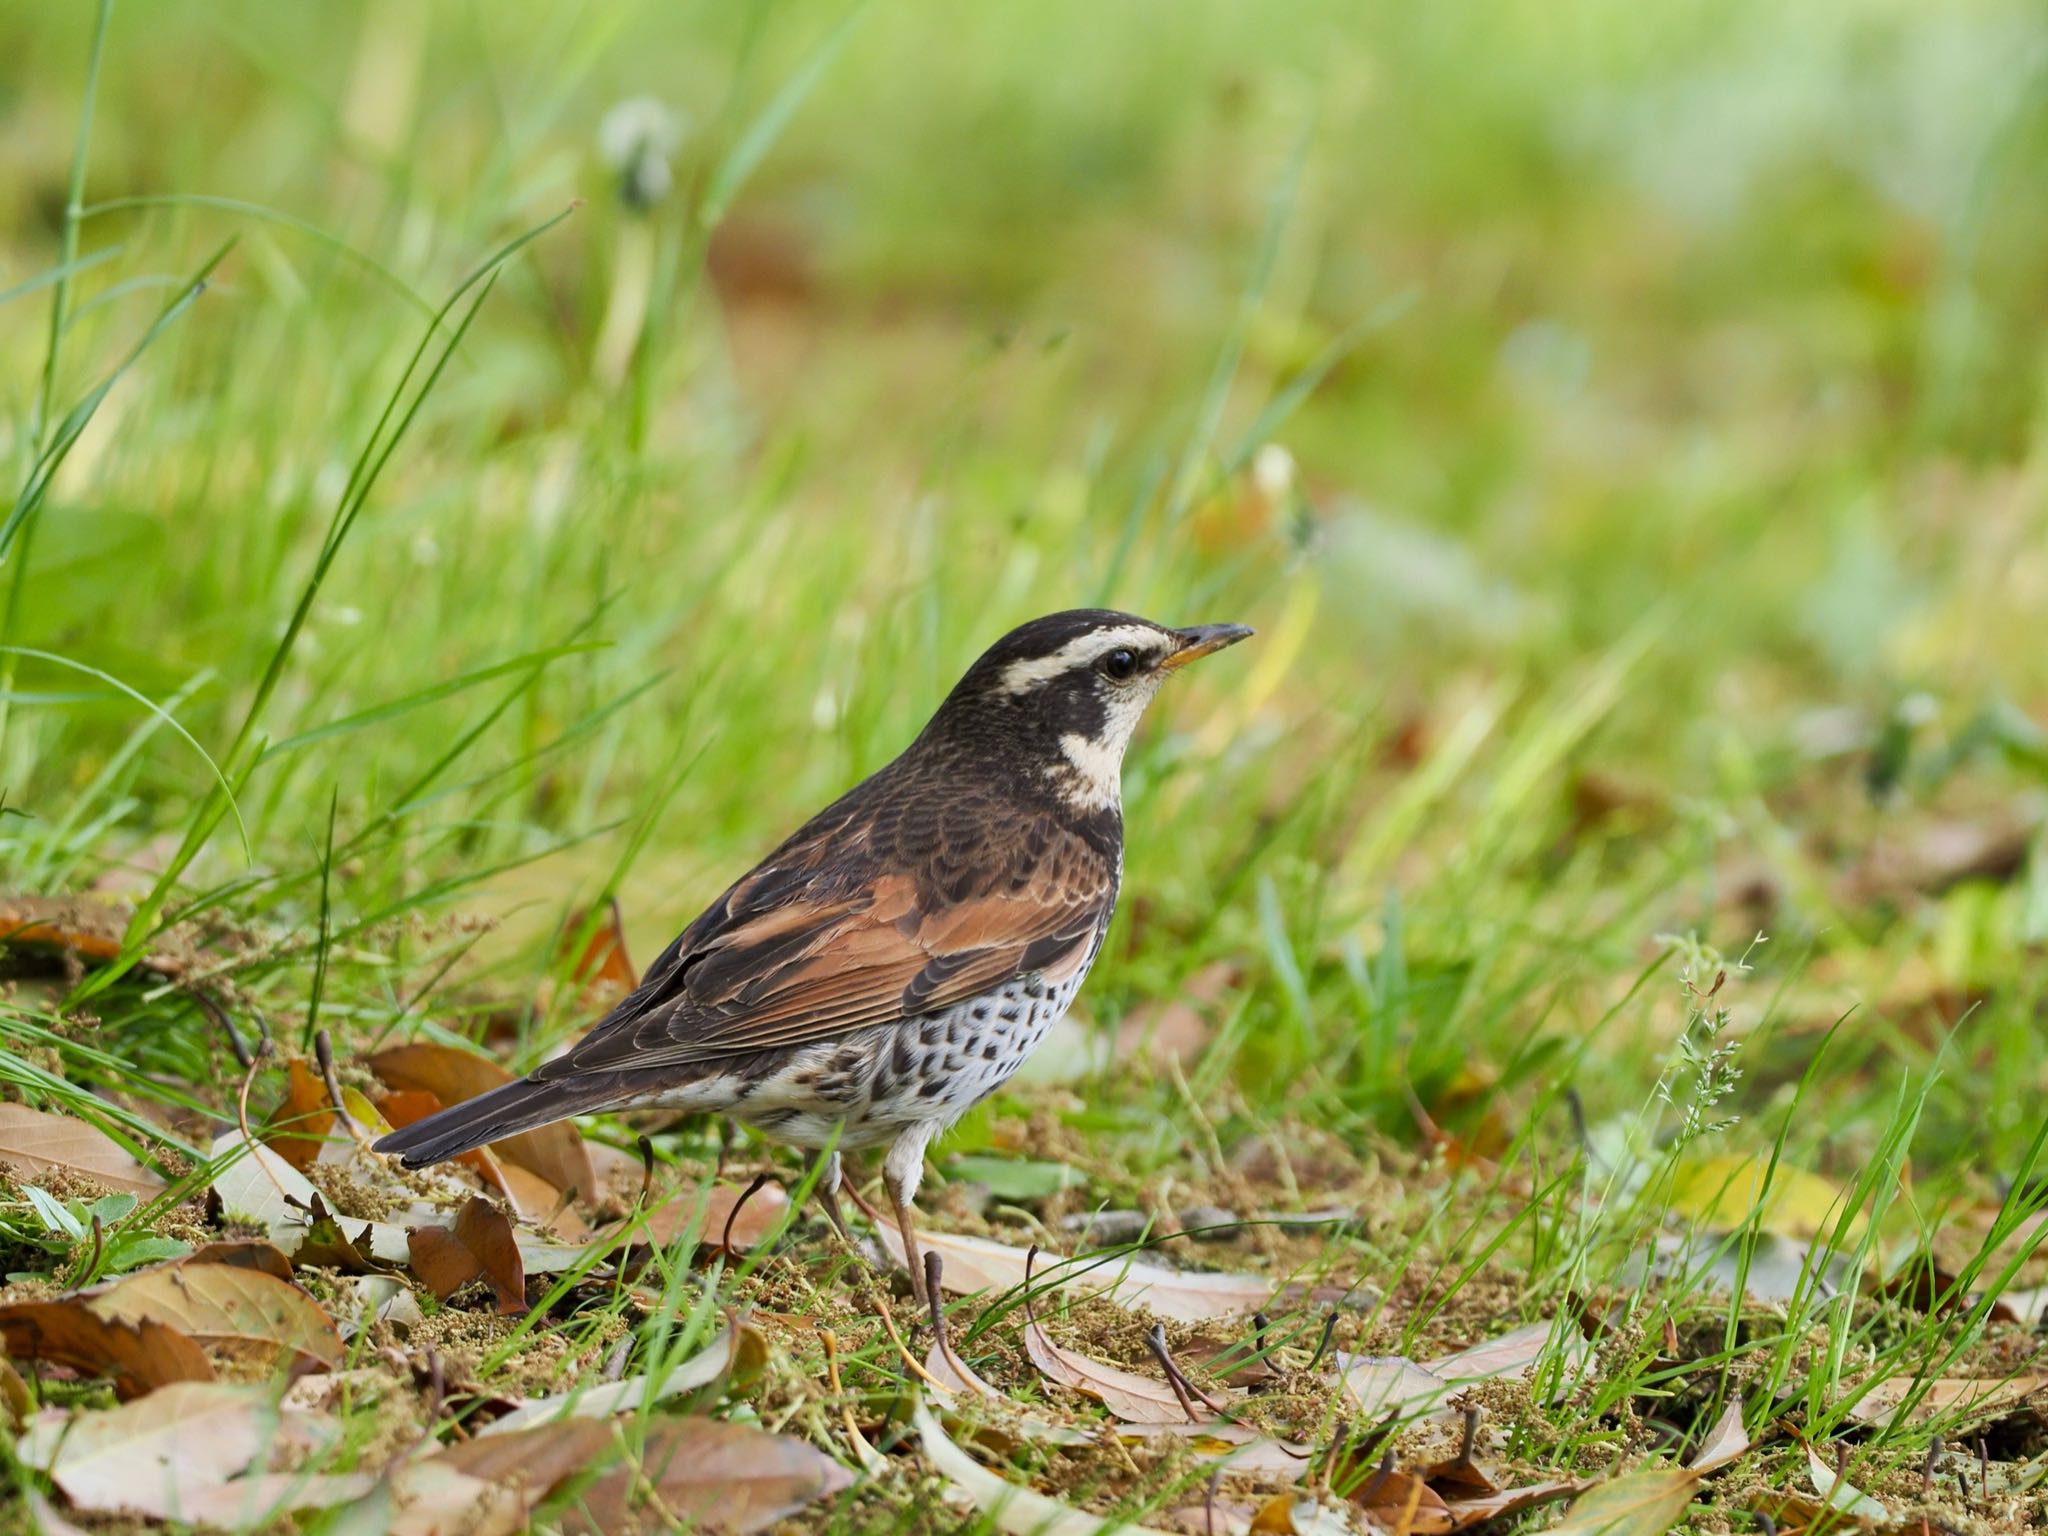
(254, 1184)
(1383, 1384)
(1645, 1503)
(14, 1395)
(729, 1354)
(1398, 1500)
(554, 1153)
(1725, 1441)
(157, 1455)
(603, 970)
(1189, 1296)
(1133, 1398)
(32, 1142)
(382, 1299)
(1508, 1501)
(1238, 1447)
(431, 1498)
(140, 1357)
(1944, 1396)
(479, 1245)
(758, 1219)
(2029, 1307)
(1009, 1506)
(1723, 1192)
(533, 1459)
(1838, 1493)
(1291, 1515)
(254, 1316)
(955, 1375)
(44, 1519)
(733, 1476)
(244, 1253)
(303, 1120)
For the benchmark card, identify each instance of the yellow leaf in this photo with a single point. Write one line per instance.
(1724, 1191)
(1641, 1504)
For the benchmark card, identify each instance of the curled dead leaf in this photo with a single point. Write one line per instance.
(479, 1245)
(140, 1356)
(1131, 1397)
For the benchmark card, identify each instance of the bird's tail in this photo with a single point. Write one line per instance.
(522, 1106)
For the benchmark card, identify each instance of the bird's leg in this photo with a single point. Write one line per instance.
(902, 1170)
(828, 1196)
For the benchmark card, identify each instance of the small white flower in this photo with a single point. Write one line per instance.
(636, 139)
(425, 551)
(1273, 472)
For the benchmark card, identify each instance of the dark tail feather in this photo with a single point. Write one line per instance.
(522, 1106)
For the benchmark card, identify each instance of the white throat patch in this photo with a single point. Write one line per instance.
(1092, 775)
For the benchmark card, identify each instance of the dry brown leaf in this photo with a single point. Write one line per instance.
(1133, 1398)
(1509, 1355)
(1724, 1442)
(948, 1371)
(140, 1357)
(429, 1498)
(14, 1395)
(1383, 1384)
(756, 1220)
(479, 1245)
(1402, 1500)
(1946, 1395)
(33, 1143)
(555, 1153)
(89, 932)
(1507, 1501)
(533, 1459)
(244, 1253)
(302, 1122)
(1645, 1503)
(733, 1476)
(603, 971)
(254, 1316)
(1188, 1296)
(157, 1455)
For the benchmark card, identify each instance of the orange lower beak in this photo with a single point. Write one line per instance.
(1200, 639)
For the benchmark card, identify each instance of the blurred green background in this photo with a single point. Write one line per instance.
(1623, 424)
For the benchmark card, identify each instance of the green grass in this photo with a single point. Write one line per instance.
(1663, 556)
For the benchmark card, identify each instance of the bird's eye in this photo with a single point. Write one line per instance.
(1119, 665)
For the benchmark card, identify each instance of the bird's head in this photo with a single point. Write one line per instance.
(1060, 697)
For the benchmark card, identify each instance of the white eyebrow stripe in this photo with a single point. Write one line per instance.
(1020, 676)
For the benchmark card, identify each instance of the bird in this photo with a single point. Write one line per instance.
(895, 959)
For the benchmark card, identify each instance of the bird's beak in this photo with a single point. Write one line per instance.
(1200, 639)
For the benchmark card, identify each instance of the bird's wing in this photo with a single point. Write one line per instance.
(805, 947)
